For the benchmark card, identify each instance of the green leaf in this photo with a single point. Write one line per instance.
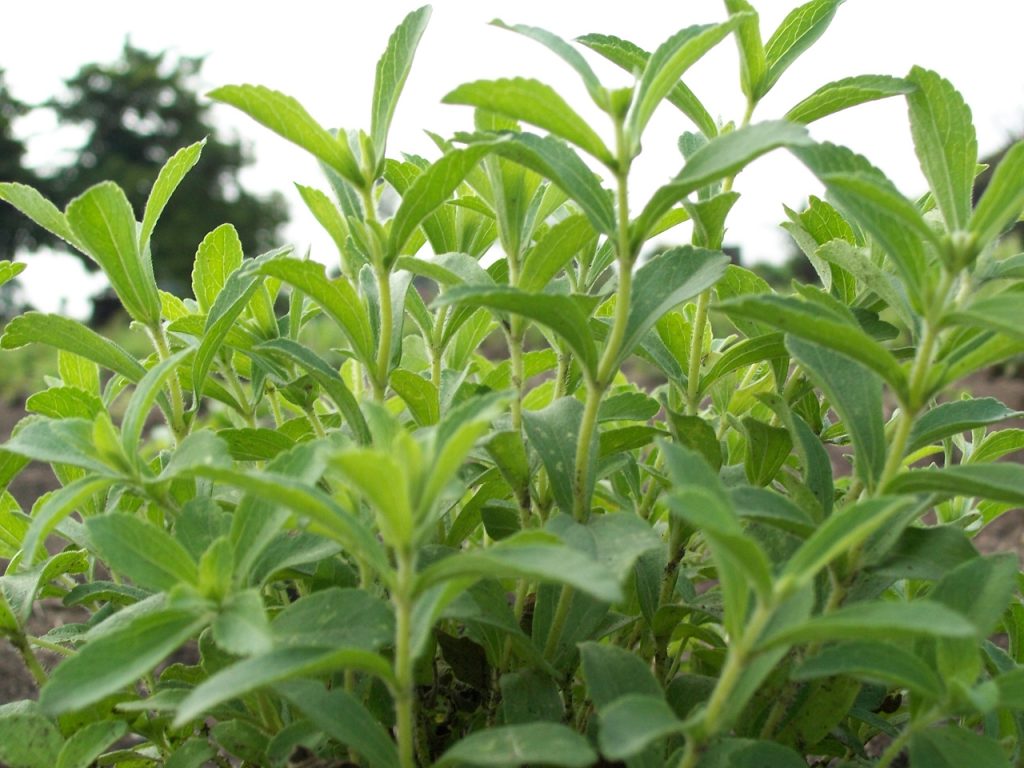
(526, 555)
(27, 738)
(218, 256)
(664, 282)
(1000, 313)
(104, 225)
(952, 747)
(797, 32)
(147, 555)
(170, 176)
(528, 696)
(85, 745)
(856, 395)
(392, 70)
(849, 92)
(533, 102)
(385, 482)
(633, 722)
(288, 118)
(1000, 482)
(944, 139)
(749, 753)
(874, 661)
(720, 158)
(328, 378)
(116, 659)
(141, 403)
(666, 65)
(335, 618)
(65, 403)
(553, 160)
(843, 531)
(419, 395)
(958, 416)
(430, 189)
(514, 745)
(241, 628)
(564, 51)
(753, 65)
(343, 718)
(553, 433)
(633, 58)
(562, 314)
(70, 336)
(767, 449)
(1001, 203)
(612, 672)
(555, 249)
(52, 508)
(277, 666)
(255, 444)
(10, 270)
(63, 441)
(876, 621)
(329, 217)
(980, 588)
(36, 207)
(20, 590)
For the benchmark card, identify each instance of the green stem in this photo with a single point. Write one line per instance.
(558, 622)
(163, 351)
(386, 322)
(515, 353)
(581, 500)
(405, 700)
(700, 320)
(21, 643)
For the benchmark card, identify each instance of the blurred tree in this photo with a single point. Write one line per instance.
(139, 111)
(16, 231)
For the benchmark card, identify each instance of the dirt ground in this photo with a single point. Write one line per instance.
(1004, 534)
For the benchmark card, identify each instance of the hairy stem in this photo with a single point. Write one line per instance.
(405, 698)
(163, 350)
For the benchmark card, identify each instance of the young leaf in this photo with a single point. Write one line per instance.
(664, 282)
(171, 175)
(383, 480)
(52, 508)
(117, 658)
(392, 71)
(849, 92)
(531, 744)
(218, 256)
(875, 661)
(856, 395)
(946, 145)
(559, 313)
(288, 118)
(104, 225)
(720, 158)
(533, 102)
(667, 64)
(44, 213)
(144, 396)
(64, 441)
(633, 58)
(553, 160)
(147, 555)
(753, 64)
(557, 248)
(797, 32)
(633, 722)
(430, 189)
(1001, 203)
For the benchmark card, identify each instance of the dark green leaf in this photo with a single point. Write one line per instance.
(848, 92)
(335, 618)
(952, 747)
(999, 482)
(116, 659)
(874, 661)
(147, 555)
(768, 448)
(559, 245)
(958, 416)
(856, 395)
(633, 722)
(528, 696)
(553, 432)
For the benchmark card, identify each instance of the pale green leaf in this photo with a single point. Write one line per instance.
(849, 92)
(797, 32)
(170, 176)
(218, 256)
(392, 70)
(36, 207)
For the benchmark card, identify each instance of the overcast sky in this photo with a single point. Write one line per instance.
(324, 54)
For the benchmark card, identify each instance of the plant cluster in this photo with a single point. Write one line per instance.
(389, 549)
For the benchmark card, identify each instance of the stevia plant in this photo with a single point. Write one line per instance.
(379, 545)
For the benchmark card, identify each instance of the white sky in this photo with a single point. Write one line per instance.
(324, 54)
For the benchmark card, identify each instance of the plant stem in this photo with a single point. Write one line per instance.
(558, 622)
(700, 319)
(163, 351)
(581, 491)
(21, 643)
(405, 700)
(386, 322)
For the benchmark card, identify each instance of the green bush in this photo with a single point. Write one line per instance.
(388, 548)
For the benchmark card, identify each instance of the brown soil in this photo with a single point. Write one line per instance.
(1004, 534)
